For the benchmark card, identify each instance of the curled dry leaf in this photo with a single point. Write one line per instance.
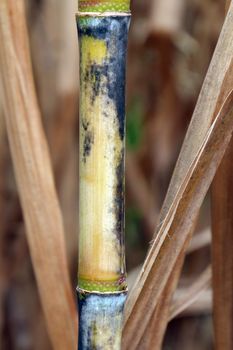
(35, 182)
(176, 226)
(210, 99)
(152, 338)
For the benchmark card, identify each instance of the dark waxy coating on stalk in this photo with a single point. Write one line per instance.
(95, 73)
(114, 66)
(94, 323)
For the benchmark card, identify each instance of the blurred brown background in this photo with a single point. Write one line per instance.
(170, 45)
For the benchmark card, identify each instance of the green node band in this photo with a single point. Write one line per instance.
(104, 5)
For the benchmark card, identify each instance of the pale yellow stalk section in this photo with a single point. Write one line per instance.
(99, 259)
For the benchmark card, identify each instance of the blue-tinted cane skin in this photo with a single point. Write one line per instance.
(101, 300)
(100, 323)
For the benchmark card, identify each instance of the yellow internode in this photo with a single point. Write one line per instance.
(99, 260)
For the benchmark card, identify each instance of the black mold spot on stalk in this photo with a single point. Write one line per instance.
(119, 198)
(113, 69)
(88, 140)
(94, 73)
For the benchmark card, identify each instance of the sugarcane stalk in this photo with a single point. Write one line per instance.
(102, 289)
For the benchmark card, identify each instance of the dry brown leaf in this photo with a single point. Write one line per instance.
(222, 242)
(176, 227)
(222, 258)
(152, 338)
(34, 177)
(208, 104)
(228, 2)
(210, 99)
(155, 331)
